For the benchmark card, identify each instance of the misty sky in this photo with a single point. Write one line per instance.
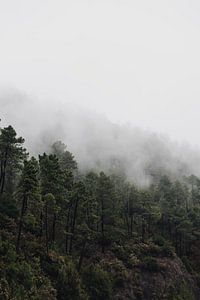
(134, 61)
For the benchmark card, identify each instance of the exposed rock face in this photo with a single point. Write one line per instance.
(171, 282)
(162, 278)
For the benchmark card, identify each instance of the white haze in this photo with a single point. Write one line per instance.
(115, 62)
(135, 61)
(97, 143)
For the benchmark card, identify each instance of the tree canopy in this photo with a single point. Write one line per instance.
(64, 236)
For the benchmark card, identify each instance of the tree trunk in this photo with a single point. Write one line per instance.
(102, 227)
(23, 210)
(67, 229)
(54, 228)
(82, 255)
(131, 233)
(73, 226)
(3, 172)
(46, 228)
(41, 225)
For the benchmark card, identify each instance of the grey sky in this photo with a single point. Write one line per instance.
(135, 61)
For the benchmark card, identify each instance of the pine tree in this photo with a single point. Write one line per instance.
(28, 192)
(12, 155)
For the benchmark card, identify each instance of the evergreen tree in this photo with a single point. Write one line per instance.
(27, 193)
(12, 155)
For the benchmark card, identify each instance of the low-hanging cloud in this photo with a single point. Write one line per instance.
(96, 143)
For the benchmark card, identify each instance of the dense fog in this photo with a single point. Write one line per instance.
(96, 143)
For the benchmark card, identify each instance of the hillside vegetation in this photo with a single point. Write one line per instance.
(68, 235)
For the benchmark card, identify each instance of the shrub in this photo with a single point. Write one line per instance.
(159, 240)
(97, 283)
(117, 271)
(65, 277)
(21, 272)
(168, 251)
(187, 264)
(133, 260)
(4, 290)
(151, 264)
(68, 282)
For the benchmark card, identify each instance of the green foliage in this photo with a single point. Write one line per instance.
(184, 293)
(151, 264)
(8, 206)
(168, 250)
(64, 274)
(68, 282)
(66, 235)
(117, 272)
(159, 240)
(7, 251)
(4, 289)
(97, 283)
(21, 273)
(66, 159)
(12, 155)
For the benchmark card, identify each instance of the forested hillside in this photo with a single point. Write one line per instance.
(68, 235)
